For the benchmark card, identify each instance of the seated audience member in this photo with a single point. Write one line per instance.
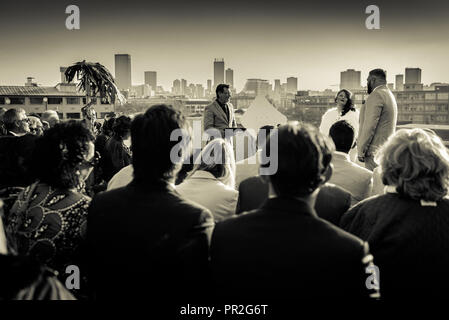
(331, 203)
(48, 220)
(3, 131)
(15, 159)
(212, 180)
(36, 126)
(145, 236)
(250, 167)
(23, 279)
(51, 117)
(117, 153)
(407, 228)
(16, 122)
(346, 174)
(283, 247)
(100, 143)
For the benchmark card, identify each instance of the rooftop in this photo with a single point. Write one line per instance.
(37, 91)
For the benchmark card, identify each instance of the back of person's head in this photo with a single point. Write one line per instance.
(304, 157)
(121, 127)
(60, 152)
(220, 88)
(51, 116)
(217, 157)
(416, 162)
(2, 112)
(107, 126)
(11, 117)
(342, 134)
(152, 144)
(379, 74)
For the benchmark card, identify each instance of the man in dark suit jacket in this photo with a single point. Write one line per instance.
(219, 114)
(331, 203)
(283, 250)
(144, 240)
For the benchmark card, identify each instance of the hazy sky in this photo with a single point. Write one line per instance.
(312, 40)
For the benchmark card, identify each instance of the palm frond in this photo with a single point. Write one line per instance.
(94, 78)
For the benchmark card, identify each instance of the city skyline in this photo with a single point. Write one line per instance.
(276, 40)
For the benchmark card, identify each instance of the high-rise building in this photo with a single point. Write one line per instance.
(277, 86)
(123, 71)
(350, 79)
(292, 85)
(256, 87)
(183, 86)
(399, 82)
(176, 89)
(209, 85)
(412, 75)
(151, 79)
(199, 91)
(219, 72)
(230, 77)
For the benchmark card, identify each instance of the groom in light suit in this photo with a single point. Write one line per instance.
(377, 118)
(220, 113)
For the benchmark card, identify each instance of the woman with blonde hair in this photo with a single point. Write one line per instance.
(407, 227)
(211, 183)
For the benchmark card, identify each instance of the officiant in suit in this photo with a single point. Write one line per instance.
(219, 114)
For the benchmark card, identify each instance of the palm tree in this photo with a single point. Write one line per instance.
(94, 78)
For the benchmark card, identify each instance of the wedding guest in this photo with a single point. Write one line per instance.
(249, 167)
(283, 247)
(407, 227)
(117, 152)
(211, 182)
(347, 174)
(51, 117)
(16, 122)
(36, 126)
(145, 236)
(48, 220)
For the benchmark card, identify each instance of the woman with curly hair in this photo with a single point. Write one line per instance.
(407, 227)
(117, 152)
(48, 220)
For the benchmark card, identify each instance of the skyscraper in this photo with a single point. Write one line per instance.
(151, 79)
(176, 89)
(399, 82)
(184, 86)
(123, 71)
(230, 77)
(277, 86)
(219, 72)
(412, 75)
(292, 85)
(350, 79)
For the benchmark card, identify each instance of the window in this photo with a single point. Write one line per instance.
(431, 108)
(17, 100)
(94, 100)
(443, 96)
(430, 96)
(54, 100)
(2, 100)
(73, 115)
(36, 100)
(72, 100)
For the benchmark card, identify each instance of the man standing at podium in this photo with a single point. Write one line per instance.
(220, 113)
